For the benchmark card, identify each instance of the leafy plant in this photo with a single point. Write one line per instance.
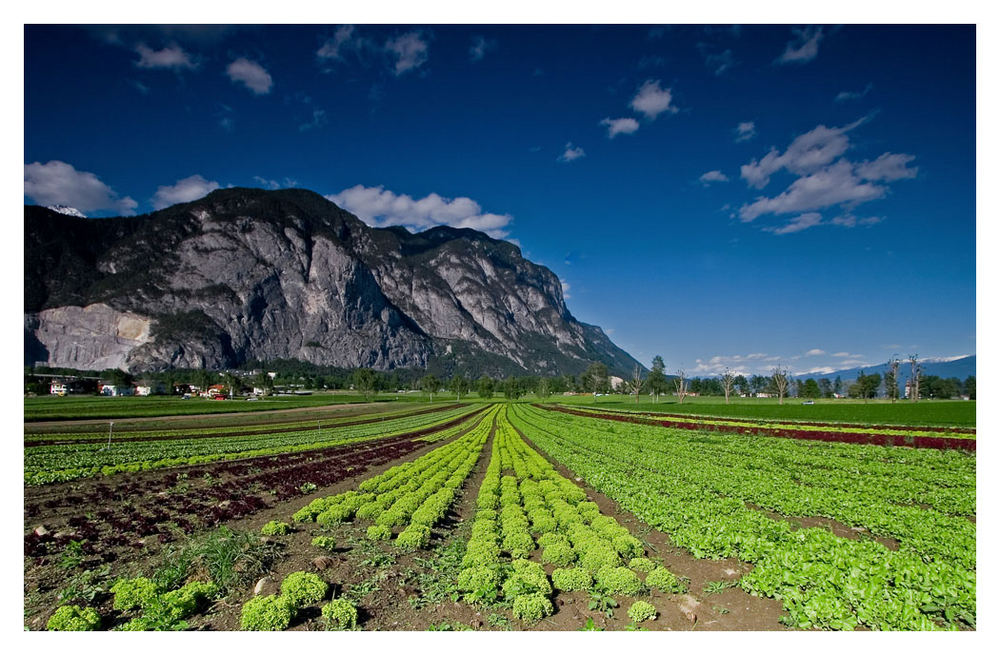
(304, 588)
(340, 614)
(532, 607)
(271, 613)
(326, 543)
(73, 618)
(641, 611)
(274, 528)
(590, 626)
(602, 602)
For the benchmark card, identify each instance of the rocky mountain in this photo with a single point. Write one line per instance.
(245, 275)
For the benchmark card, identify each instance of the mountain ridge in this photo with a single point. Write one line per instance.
(248, 274)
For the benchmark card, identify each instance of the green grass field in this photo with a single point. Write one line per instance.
(961, 413)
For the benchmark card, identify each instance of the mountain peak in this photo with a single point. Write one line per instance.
(249, 274)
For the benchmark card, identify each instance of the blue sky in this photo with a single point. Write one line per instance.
(721, 196)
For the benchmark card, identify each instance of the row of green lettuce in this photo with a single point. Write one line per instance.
(705, 489)
(713, 422)
(64, 463)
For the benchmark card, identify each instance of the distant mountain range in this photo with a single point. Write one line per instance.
(245, 275)
(960, 368)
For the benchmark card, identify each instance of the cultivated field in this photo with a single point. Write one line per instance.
(561, 515)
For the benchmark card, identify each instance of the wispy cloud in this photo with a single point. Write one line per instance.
(804, 47)
(797, 224)
(287, 183)
(318, 120)
(380, 207)
(815, 352)
(717, 62)
(571, 153)
(172, 57)
(410, 51)
(618, 126)
(825, 178)
(251, 74)
(59, 183)
(844, 96)
(651, 100)
(713, 176)
(480, 46)
(345, 40)
(745, 131)
(186, 190)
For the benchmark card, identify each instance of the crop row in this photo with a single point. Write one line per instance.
(413, 495)
(700, 488)
(524, 505)
(793, 423)
(34, 440)
(48, 464)
(131, 510)
(831, 434)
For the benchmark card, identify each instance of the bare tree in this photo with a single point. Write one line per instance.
(727, 382)
(779, 376)
(636, 383)
(680, 383)
(892, 379)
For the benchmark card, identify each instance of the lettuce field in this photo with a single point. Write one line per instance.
(500, 516)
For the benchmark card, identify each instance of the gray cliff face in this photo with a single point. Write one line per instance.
(246, 275)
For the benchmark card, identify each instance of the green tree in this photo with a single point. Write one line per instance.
(365, 381)
(544, 388)
(969, 387)
(656, 380)
(810, 389)
(459, 385)
(485, 387)
(511, 389)
(742, 385)
(430, 384)
(826, 388)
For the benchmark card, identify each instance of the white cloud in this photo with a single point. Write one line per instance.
(618, 126)
(381, 208)
(250, 73)
(814, 352)
(275, 184)
(59, 183)
(713, 176)
(825, 178)
(797, 224)
(186, 190)
(571, 153)
(808, 152)
(888, 167)
(173, 56)
(844, 96)
(480, 46)
(754, 363)
(345, 39)
(409, 50)
(745, 131)
(834, 185)
(804, 47)
(565, 289)
(847, 354)
(849, 220)
(652, 101)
